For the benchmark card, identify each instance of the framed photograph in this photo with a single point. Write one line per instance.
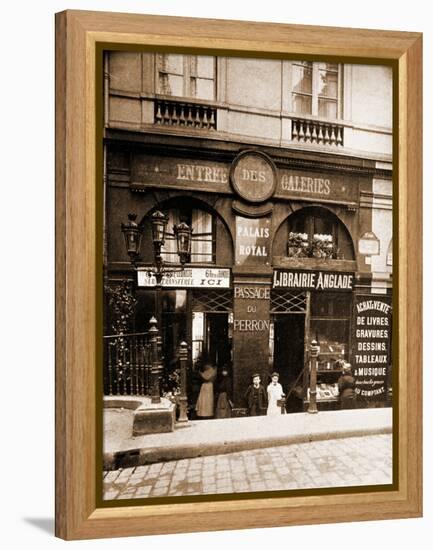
(238, 274)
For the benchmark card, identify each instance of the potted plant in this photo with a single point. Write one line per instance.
(297, 245)
(322, 246)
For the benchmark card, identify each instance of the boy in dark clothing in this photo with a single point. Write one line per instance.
(256, 397)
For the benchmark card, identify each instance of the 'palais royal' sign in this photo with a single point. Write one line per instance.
(252, 176)
(252, 243)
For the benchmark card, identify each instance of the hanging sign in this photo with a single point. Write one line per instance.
(195, 277)
(369, 244)
(319, 280)
(371, 346)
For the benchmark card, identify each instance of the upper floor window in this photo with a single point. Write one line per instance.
(202, 237)
(316, 89)
(190, 76)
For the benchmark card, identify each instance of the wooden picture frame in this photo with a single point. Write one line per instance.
(79, 36)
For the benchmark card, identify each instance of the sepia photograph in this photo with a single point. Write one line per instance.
(247, 276)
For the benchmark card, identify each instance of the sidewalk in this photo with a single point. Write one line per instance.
(215, 437)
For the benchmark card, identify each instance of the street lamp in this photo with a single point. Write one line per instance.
(159, 223)
(182, 232)
(133, 233)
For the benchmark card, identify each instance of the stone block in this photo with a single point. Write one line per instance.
(154, 418)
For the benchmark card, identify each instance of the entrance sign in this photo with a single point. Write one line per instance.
(319, 280)
(195, 277)
(371, 346)
(175, 172)
(251, 326)
(253, 176)
(311, 185)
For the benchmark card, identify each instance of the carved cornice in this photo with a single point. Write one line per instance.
(208, 149)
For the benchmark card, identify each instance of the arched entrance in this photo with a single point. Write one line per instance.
(314, 242)
(195, 305)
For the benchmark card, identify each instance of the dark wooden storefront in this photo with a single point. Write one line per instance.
(268, 328)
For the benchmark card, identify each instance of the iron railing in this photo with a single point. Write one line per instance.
(127, 364)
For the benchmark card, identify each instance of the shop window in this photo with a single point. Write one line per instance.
(330, 326)
(202, 237)
(316, 232)
(191, 76)
(316, 89)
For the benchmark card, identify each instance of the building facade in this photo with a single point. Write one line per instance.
(283, 170)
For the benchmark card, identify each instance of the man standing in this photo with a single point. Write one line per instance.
(255, 397)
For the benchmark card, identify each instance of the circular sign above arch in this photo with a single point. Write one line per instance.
(253, 176)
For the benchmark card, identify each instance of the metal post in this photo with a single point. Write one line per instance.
(156, 367)
(183, 399)
(158, 303)
(314, 352)
(283, 404)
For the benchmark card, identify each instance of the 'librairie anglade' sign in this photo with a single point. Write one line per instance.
(319, 280)
(371, 346)
(195, 277)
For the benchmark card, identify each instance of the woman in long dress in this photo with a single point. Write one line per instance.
(275, 392)
(205, 402)
(346, 388)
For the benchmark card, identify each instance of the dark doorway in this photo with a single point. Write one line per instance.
(289, 332)
(211, 339)
(218, 338)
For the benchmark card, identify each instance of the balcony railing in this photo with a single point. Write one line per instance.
(185, 114)
(313, 131)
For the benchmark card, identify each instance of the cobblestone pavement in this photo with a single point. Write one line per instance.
(332, 463)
